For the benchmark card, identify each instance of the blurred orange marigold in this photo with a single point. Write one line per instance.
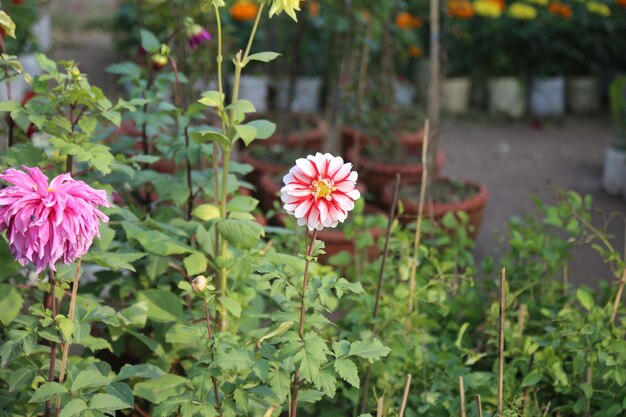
(406, 21)
(244, 10)
(621, 3)
(416, 51)
(314, 8)
(461, 9)
(561, 9)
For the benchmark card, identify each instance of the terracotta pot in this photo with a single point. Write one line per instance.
(474, 206)
(377, 174)
(413, 140)
(309, 140)
(334, 239)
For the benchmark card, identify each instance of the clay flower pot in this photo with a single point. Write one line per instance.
(310, 139)
(474, 205)
(377, 174)
(412, 139)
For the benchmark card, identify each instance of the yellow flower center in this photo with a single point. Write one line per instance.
(322, 188)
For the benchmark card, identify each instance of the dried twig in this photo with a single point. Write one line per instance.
(479, 406)
(462, 396)
(405, 396)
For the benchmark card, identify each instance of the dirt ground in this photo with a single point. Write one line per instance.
(514, 160)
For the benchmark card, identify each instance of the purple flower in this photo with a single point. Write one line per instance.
(45, 222)
(197, 35)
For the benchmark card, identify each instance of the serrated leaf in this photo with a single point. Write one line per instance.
(327, 382)
(89, 378)
(145, 370)
(206, 212)
(310, 396)
(233, 359)
(196, 263)
(347, 370)
(280, 384)
(159, 389)
(47, 391)
(20, 378)
(231, 305)
(312, 356)
(74, 407)
(11, 302)
(107, 402)
(163, 306)
(369, 349)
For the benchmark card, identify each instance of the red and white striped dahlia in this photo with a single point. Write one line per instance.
(320, 191)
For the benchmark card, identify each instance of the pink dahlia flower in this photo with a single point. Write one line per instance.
(197, 35)
(320, 191)
(45, 222)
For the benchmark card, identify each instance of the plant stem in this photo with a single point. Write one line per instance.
(501, 343)
(618, 297)
(462, 396)
(296, 379)
(212, 348)
(53, 345)
(67, 344)
(392, 212)
(523, 309)
(215, 161)
(420, 216)
(479, 406)
(379, 407)
(434, 88)
(405, 395)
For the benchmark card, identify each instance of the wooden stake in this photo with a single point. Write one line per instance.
(462, 395)
(479, 406)
(405, 396)
(420, 216)
(379, 407)
(435, 87)
(501, 343)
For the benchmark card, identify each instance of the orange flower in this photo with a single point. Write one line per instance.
(621, 3)
(314, 8)
(407, 21)
(561, 9)
(244, 10)
(461, 9)
(416, 51)
(501, 3)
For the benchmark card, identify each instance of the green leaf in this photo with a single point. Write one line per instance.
(242, 234)
(163, 306)
(46, 64)
(212, 99)
(327, 382)
(531, 379)
(11, 303)
(20, 379)
(243, 106)
(232, 306)
(587, 389)
(263, 56)
(585, 299)
(310, 396)
(114, 260)
(66, 326)
(233, 359)
(247, 133)
(149, 42)
(145, 370)
(369, 349)
(312, 356)
(196, 263)
(125, 68)
(205, 136)
(107, 402)
(159, 389)
(280, 384)
(74, 407)
(89, 378)
(206, 212)
(107, 234)
(47, 391)
(264, 128)
(7, 24)
(347, 370)
(242, 203)
(156, 242)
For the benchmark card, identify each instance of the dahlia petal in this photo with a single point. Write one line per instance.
(303, 208)
(306, 167)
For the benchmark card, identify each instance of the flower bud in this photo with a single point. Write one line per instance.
(159, 61)
(199, 284)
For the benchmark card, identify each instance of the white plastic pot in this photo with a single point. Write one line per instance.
(582, 94)
(254, 89)
(507, 96)
(307, 95)
(42, 33)
(455, 95)
(613, 171)
(547, 96)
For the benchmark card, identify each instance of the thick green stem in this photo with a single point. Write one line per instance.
(223, 244)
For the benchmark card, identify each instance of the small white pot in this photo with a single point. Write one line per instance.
(455, 95)
(403, 92)
(254, 89)
(19, 87)
(307, 95)
(582, 94)
(547, 96)
(507, 96)
(613, 171)
(42, 33)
